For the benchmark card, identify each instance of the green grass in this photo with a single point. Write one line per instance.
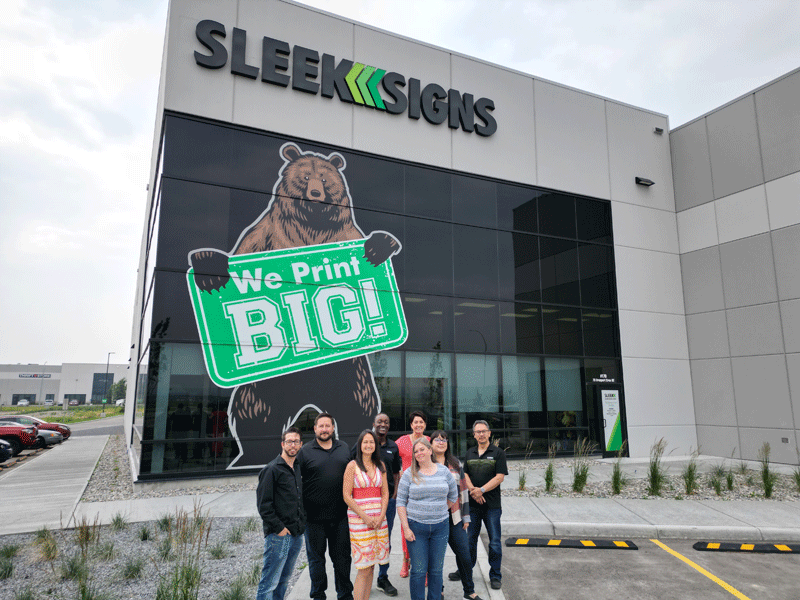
(133, 567)
(252, 524)
(9, 551)
(218, 550)
(237, 590)
(88, 590)
(164, 522)
(236, 534)
(118, 522)
(768, 477)
(252, 576)
(550, 471)
(689, 475)
(656, 474)
(144, 533)
(25, 593)
(106, 551)
(715, 483)
(580, 464)
(796, 478)
(74, 568)
(6, 568)
(618, 479)
(87, 533)
(42, 534)
(165, 548)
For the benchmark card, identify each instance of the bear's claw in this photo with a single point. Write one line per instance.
(380, 246)
(210, 269)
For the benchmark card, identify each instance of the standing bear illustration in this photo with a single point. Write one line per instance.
(310, 205)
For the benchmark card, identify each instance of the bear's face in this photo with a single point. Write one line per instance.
(316, 179)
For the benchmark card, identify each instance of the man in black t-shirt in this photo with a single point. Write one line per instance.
(322, 464)
(485, 468)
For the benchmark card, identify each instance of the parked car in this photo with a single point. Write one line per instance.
(120, 402)
(49, 402)
(19, 436)
(23, 402)
(64, 430)
(5, 451)
(46, 438)
(73, 403)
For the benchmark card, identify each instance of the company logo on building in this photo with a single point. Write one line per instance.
(352, 82)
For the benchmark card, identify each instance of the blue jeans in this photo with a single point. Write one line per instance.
(383, 570)
(427, 557)
(336, 536)
(280, 554)
(491, 517)
(460, 545)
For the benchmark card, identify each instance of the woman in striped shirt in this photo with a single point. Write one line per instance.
(424, 497)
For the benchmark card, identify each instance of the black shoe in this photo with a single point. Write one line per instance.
(475, 597)
(496, 584)
(454, 576)
(386, 586)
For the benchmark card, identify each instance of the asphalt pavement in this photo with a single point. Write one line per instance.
(46, 491)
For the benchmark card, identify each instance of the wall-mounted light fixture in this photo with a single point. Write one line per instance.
(644, 182)
(658, 130)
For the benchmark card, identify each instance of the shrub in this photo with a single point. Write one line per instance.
(6, 567)
(164, 522)
(715, 482)
(252, 524)
(87, 533)
(118, 522)
(550, 471)
(144, 533)
(106, 551)
(218, 550)
(236, 591)
(25, 593)
(656, 475)
(235, 535)
(618, 479)
(580, 464)
(74, 568)
(690, 475)
(9, 551)
(768, 478)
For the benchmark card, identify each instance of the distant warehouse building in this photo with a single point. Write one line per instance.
(85, 383)
(342, 219)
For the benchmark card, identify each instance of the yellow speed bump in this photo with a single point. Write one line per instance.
(756, 548)
(562, 543)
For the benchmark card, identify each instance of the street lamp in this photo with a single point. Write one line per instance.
(105, 392)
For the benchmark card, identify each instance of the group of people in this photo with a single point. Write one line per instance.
(346, 500)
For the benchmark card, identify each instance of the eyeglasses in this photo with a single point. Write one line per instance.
(441, 440)
(292, 442)
(480, 431)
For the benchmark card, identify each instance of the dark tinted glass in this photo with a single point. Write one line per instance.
(599, 370)
(197, 151)
(516, 208)
(428, 193)
(173, 317)
(598, 284)
(430, 322)
(477, 326)
(559, 265)
(519, 267)
(562, 330)
(369, 221)
(600, 333)
(376, 184)
(474, 201)
(594, 220)
(557, 215)
(428, 256)
(520, 328)
(475, 262)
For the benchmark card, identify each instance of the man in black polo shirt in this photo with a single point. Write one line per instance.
(390, 455)
(280, 505)
(485, 468)
(322, 464)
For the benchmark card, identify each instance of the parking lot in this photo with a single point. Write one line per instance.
(651, 572)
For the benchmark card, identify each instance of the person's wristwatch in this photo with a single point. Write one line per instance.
(483, 491)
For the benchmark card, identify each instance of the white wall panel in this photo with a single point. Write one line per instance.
(286, 110)
(653, 335)
(191, 88)
(742, 214)
(658, 392)
(571, 145)
(718, 441)
(634, 149)
(510, 153)
(780, 451)
(783, 201)
(697, 228)
(645, 228)
(648, 281)
(691, 165)
(681, 439)
(397, 135)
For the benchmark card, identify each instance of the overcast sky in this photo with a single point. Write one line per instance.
(78, 87)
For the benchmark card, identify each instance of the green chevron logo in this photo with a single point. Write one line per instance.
(362, 80)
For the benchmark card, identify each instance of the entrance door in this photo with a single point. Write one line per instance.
(607, 416)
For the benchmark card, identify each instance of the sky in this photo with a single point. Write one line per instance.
(78, 93)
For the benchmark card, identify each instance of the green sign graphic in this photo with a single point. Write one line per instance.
(289, 310)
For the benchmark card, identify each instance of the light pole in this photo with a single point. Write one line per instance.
(41, 383)
(105, 392)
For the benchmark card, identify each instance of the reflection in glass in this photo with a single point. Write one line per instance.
(476, 379)
(477, 325)
(475, 265)
(562, 330)
(521, 328)
(430, 322)
(516, 207)
(387, 370)
(557, 215)
(600, 333)
(428, 388)
(598, 284)
(559, 265)
(594, 220)
(474, 201)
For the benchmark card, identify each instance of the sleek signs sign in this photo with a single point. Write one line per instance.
(612, 420)
(353, 82)
(288, 310)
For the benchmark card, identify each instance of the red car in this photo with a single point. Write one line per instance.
(19, 436)
(28, 420)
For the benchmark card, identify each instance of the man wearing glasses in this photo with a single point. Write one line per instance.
(280, 505)
(484, 469)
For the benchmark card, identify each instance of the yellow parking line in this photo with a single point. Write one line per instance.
(713, 546)
(621, 544)
(553, 542)
(783, 548)
(588, 543)
(522, 541)
(747, 546)
(700, 569)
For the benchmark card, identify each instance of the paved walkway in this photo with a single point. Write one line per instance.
(46, 491)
